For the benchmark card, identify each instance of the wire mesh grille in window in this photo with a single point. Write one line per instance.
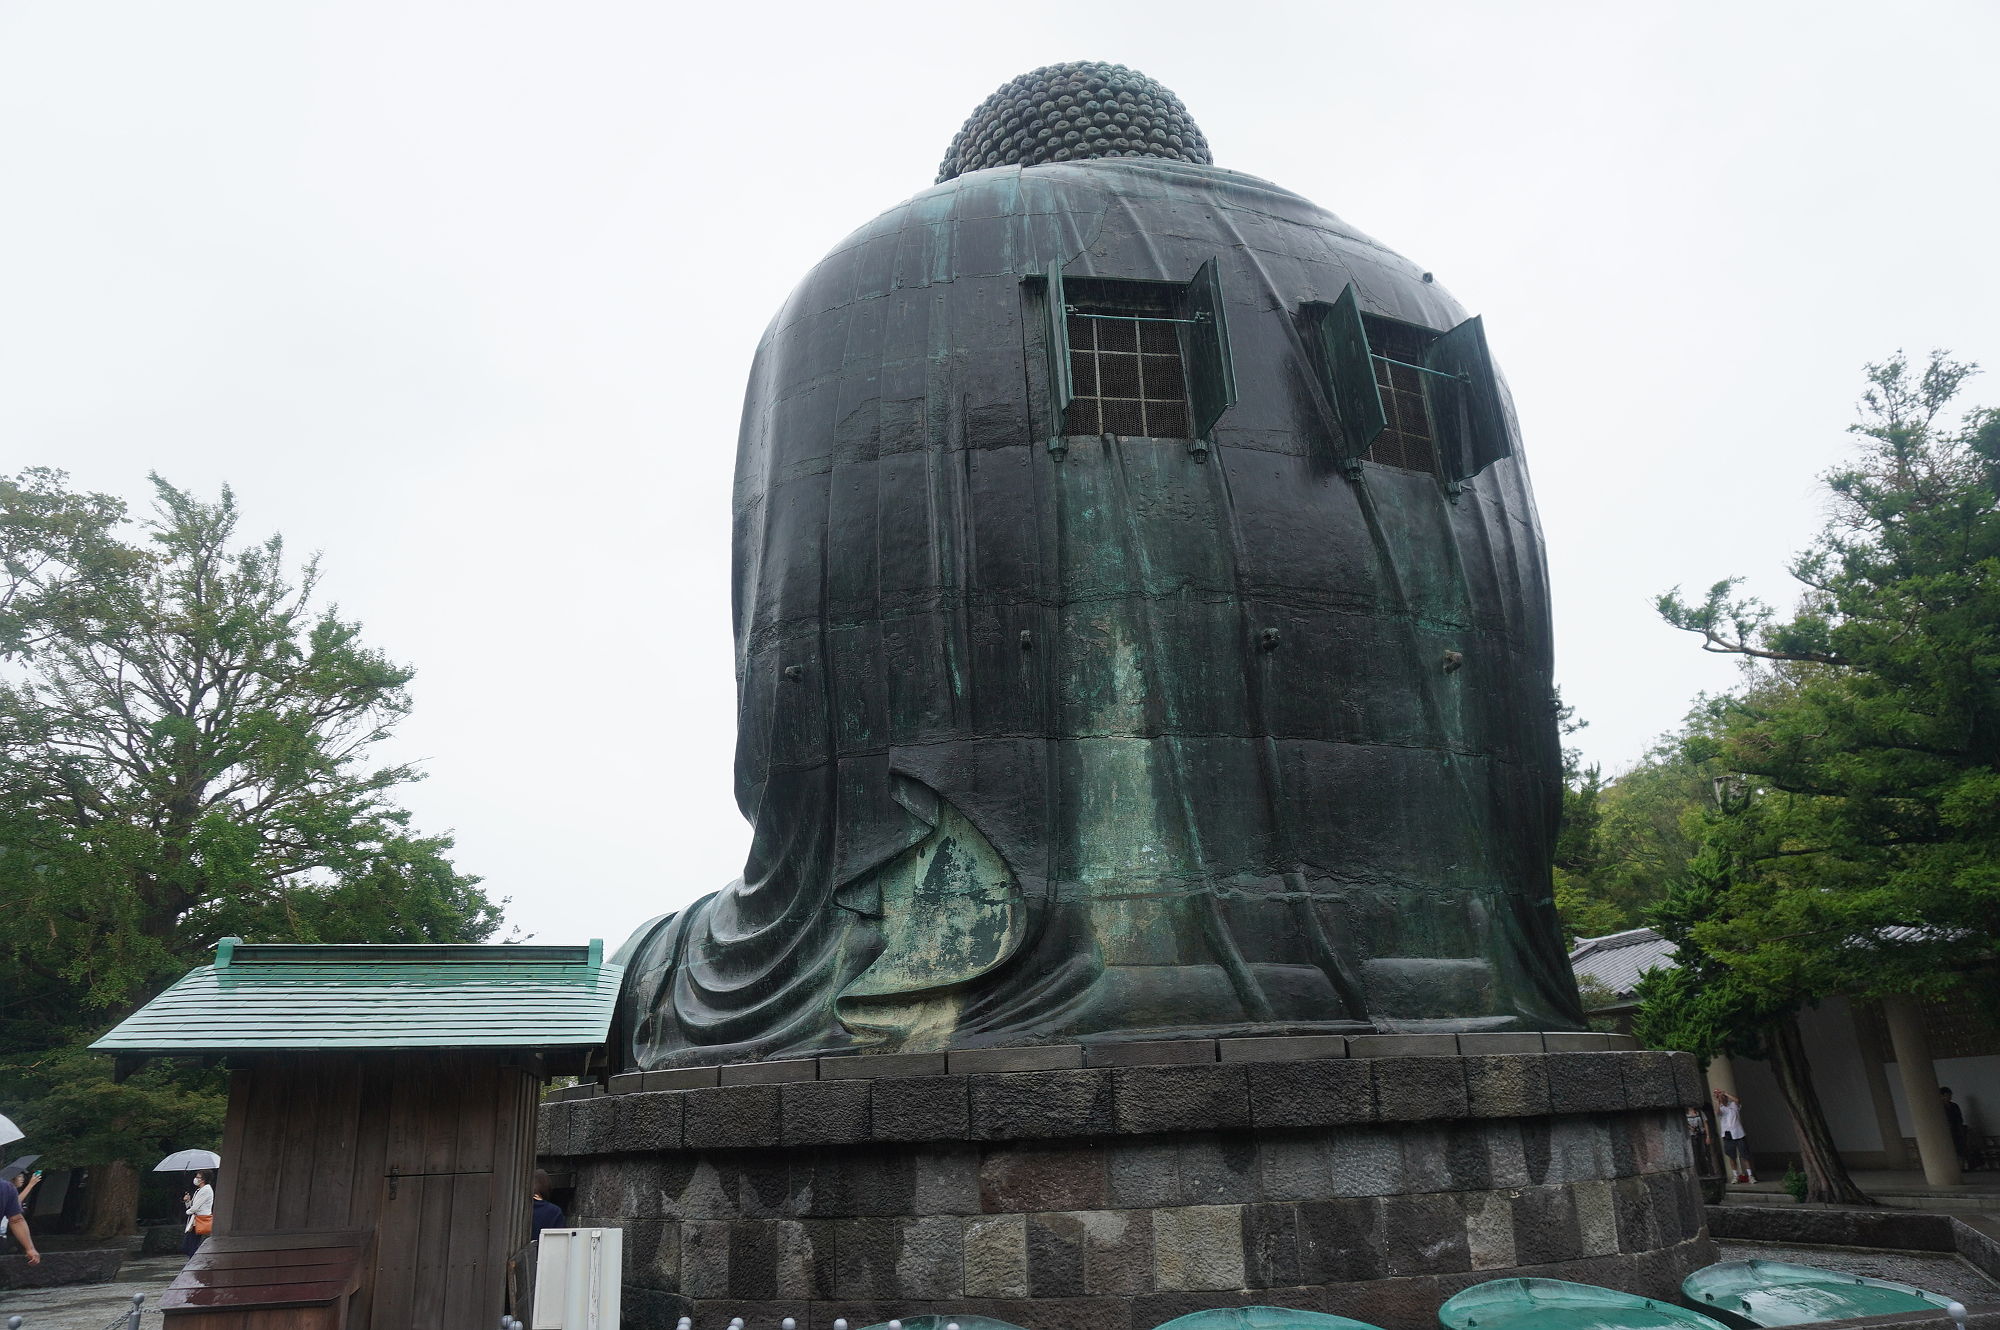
(1126, 364)
(1406, 441)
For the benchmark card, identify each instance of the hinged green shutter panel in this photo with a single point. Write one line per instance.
(1350, 375)
(1472, 425)
(1211, 371)
(1062, 387)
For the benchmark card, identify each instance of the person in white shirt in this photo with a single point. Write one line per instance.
(1729, 1120)
(200, 1206)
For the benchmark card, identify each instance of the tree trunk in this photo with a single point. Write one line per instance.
(1826, 1172)
(114, 1201)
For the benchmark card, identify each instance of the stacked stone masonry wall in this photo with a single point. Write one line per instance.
(1122, 1196)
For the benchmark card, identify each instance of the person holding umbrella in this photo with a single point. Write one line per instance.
(199, 1202)
(200, 1212)
(11, 1217)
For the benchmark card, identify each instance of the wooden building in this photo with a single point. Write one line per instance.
(379, 1148)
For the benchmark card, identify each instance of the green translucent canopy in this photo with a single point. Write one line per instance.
(1779, 1293)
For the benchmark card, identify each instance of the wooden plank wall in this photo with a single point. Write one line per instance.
(432, 1151)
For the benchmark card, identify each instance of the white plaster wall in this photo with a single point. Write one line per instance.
(1766, 1122)
(1975, 1085)
(1835, 1053)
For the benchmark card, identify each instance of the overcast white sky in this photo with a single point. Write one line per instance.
(463, 295)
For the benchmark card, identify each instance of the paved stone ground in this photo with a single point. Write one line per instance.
(94, 1306)
(1934, 1272)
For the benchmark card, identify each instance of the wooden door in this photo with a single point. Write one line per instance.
(434, 1254)
(453, 1190)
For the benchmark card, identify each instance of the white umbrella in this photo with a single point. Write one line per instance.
(187, 1161)
(8, 1131)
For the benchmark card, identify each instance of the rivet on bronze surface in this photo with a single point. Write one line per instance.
(1267, 640)
(1027, 640)
(1452, 660)
(793, 673)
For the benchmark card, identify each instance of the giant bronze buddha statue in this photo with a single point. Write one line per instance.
(1141, 621)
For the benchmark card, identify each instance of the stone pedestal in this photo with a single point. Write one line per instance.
(1116, 1197)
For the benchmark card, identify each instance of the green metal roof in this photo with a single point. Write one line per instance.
(357, 997)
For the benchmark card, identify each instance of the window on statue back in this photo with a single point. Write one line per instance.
(1408, 396)
(1136, 358)
(1406, 440)
(1125, 360)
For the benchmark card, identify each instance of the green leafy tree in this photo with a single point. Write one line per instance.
(1864, 855)
(1701, 1006)
(1868, 732)
(185, 735)
(1622, 841)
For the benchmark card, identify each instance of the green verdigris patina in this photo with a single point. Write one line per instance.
(1048, 737)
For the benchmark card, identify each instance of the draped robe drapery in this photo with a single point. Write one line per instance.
(1122, 738)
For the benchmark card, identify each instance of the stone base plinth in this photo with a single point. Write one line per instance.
(1118, 1197)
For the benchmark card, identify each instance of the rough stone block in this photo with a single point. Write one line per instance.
(1198, 1247)
(626, 1082)
(1545, 1227)
(931, 1263)
(805, 1259)
(1579, 1149)
(1489, 1230)
(1282, 1048)
(1366, 1163)
(1218, 1169)
(1596, 1218)
(682, 1078)
(1506, 1157)
(753, 1259)
(1047, 1057)
(996, 1257)
(1055, 1256)
(731, 1117)
(853, 1182)
(921, 1108)
(1150, 1053)
(1292, 1166)
(1341, 1241)
(1144, 1173)
(705, 1259)
(593, 1126)
(1497, 1043)
(1575, 1041)
(1402, 1045)
(1634, 1215)
(865, 1066)
(1196, 1098)
(1270, 1245)
(1690, 1086)
(1021, 1178)
(1507, 1086)
(693, 1188)
(1425, 1234)
(947, 1180)
(1649, 1080)
(1117, 1251)
(649, 1121)
(770, 1073)
(1321, 1092)
(763, 1182)
(552, 1128)
(823, 1112)
(653, 1309)
(1414, 1089)
(1586, 1083)
(1029, 1105)
(866, 1252)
